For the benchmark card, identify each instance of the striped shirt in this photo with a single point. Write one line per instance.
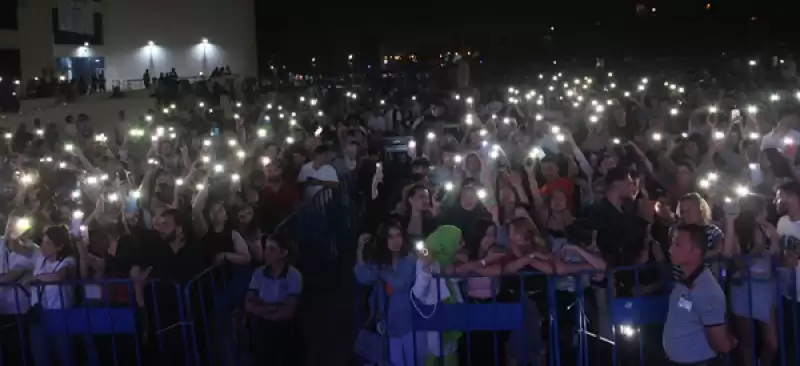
(713, 233)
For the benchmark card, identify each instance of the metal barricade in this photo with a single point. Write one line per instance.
(214, 302)
(616, 321)
(96, 323)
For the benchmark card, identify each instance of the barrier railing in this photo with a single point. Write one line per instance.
(535, 319)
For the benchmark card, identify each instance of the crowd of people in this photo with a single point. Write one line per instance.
(533, 193)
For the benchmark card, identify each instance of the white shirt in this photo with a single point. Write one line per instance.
(775, 141)
(12, 299)
(789, 232)
(50, 297)
(325, 173)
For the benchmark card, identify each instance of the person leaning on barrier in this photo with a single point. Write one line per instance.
(752, 242)
(695, 332)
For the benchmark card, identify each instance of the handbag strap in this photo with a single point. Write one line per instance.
(414, 304)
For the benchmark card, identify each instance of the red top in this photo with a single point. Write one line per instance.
(275, 206)
(561, 184)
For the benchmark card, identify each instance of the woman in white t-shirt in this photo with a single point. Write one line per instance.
(17, 255)
(54, 263)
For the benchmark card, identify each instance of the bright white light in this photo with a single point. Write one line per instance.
(205, 40)
(555, 129)
(448, 186)
(560, 137)
(616, 141)
(712, 109)
(712, 176)
(719, 135)
(458, 158)
(241, 154)
(232, 142)
(431, 136)
(289, 140)
(151, 43)
(774, 97)
(657, 136)
(206, 142)
(77, 214)
(136, 194)
(481, 193)
(752, 166)
(673, 111)
(593, 119)
(628, 331)
(179, 182)
(235, 177)
(788, 141)
(742, 190)
(754, 136)
(219, 168)
(752, 109)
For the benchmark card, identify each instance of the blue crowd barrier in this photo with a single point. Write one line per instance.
(633, 321)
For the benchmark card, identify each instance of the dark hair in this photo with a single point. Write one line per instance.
(284, 243)
(59, 235)
(473, 243)
(380, 252)
(180, 221)
(746, 224)
(321, 150)
(792, 188)
(697, 235)
(410, 193)
(616, 174)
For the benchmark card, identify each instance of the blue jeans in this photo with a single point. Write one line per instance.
(44, 345)
(407, 351)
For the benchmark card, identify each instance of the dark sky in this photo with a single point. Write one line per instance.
(522, 29)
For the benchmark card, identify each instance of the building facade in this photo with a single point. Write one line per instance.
(123, 38)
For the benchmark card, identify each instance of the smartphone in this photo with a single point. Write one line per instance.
(736, 114)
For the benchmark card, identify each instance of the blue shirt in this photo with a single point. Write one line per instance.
(276, 289)
(396, 319)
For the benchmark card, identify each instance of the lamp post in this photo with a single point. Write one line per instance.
(205, 56)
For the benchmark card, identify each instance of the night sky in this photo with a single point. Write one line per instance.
(520, 31)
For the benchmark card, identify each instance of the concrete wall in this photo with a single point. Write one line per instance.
(34, 38)
(177, 28)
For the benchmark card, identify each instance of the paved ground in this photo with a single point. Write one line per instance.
(327, 314)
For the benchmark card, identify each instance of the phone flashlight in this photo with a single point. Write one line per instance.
(448, 186)
(206, 142)
(420, 246)
(788, 141)
(179, 182)
(235, 177)
(657, 136)
(289, 140)
(458, 159)
(719, 135)
(742, 190)
(265, 160)
(113, 197)
(673, 111)
(481, 193)
(560, 137)
(200, 186)
(431, 136)
(231, 142)
(262, 133)
(77, 214)
(412, 144)
(754, 136)
(593, 119)
(219, 168)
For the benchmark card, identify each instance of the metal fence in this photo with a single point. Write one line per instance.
(534, 319)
